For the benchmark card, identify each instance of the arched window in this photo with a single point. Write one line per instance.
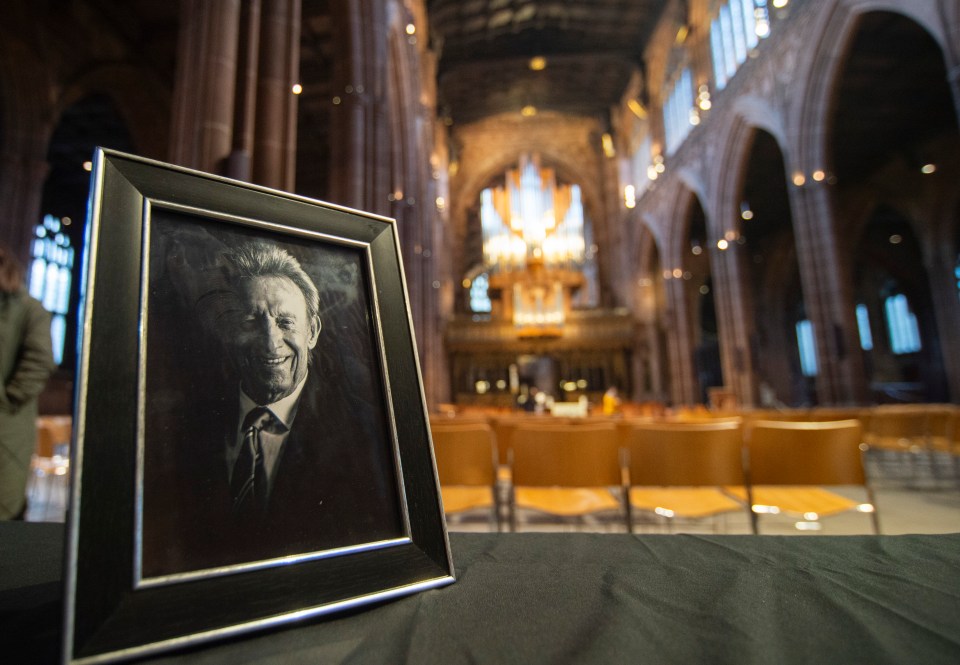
(808, 348)
(863, 325)
(956, 274)
(50, 276)
(901, 325)
(479, 295)
(679, 113)
(737, 29)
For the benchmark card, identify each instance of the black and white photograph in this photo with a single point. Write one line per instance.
(266, 431)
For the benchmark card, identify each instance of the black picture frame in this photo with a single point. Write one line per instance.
(139, 579)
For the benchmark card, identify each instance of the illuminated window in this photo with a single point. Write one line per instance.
(808, 348)
(956, 274)
(901, 325)
(50, 276)
(643, 168)
(737, 29)
(863, 324)
(679, 111)
(479, 296)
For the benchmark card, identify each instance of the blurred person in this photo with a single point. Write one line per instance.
(611, 401)
(26, 362)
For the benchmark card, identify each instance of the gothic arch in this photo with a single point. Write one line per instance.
(142, 102)
(835, 30)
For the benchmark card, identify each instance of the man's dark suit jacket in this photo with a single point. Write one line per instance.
(335, 485)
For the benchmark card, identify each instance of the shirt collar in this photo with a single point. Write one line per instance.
(284, 409)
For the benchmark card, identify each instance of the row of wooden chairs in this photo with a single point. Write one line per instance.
(672, 470)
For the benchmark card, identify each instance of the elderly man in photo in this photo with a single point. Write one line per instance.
(276, 459)
(276, 327)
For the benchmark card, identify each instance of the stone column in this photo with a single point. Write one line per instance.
(275, 133)
(684, 387)
(735, 317)
(203, 100)
(946, 307)
(245, 108)
(827, 297)
(360, 146)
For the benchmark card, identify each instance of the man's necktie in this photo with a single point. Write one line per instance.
(249, 483)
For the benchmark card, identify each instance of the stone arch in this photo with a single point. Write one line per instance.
(141, 100)
(834, 31)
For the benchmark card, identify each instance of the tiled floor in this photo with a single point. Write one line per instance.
(912, 499)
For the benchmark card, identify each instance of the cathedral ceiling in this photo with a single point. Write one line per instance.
(590, 49)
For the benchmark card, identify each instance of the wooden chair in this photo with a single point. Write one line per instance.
(567, 471)
(467, 468)
(676, 470)
(790, 462)
(898, 432)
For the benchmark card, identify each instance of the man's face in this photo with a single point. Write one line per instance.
(274, 337)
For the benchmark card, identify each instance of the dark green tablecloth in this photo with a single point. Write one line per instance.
(581, 598)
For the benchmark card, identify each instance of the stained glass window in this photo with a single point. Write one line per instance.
(901, 325)
(50, 276)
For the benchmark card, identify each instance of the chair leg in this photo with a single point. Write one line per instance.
(754, 526)
(874, 517)
(627, 508)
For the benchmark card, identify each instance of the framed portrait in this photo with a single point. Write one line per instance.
(252, 443)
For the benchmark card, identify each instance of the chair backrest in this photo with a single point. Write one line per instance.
(53, 431)
(805, 453)
(465, 453)
(548, 454)
(671, 453)
(890, 424)
(503, 427)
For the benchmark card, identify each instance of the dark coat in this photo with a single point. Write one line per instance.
(335, 485)
(26, 361)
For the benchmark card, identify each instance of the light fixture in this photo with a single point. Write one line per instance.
(607, 141)
(780, 4)
(927, 169)
(88, 165)
(411, 28)
(746, 213)
(538, 63)
(630, 196)
(528, 111)
(703, 97)
(296, 89)
(722, 244)
(818, 175)
(799, 179)
(638, 109)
